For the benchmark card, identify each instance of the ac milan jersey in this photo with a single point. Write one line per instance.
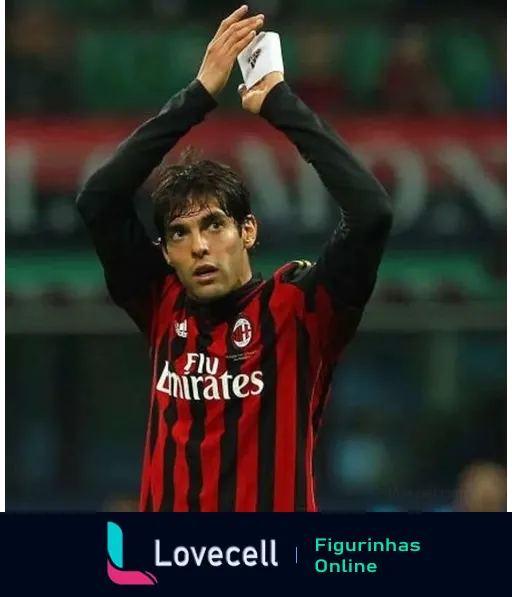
(238, 384)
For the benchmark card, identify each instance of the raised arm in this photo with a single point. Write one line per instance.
(133, 266)
(347, 267)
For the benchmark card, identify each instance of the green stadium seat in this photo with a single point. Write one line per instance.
(185, 51)
(463, 60)
(363, 55)
(109, 71)
(126, 72)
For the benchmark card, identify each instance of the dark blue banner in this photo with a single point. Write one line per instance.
(407, 554)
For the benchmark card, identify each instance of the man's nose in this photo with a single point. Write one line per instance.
(199, 246)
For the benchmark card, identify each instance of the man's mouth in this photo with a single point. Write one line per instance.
(205, 272)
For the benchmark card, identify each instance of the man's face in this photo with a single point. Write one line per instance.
(208, 251)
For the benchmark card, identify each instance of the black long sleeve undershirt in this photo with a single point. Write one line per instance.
(349, 262)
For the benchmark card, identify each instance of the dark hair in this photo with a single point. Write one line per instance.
(187, 187)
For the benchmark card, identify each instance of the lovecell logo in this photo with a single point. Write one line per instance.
(116, 573)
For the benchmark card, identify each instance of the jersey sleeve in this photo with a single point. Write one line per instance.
(133, 266)
(338, 286)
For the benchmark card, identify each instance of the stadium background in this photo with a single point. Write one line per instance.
(418, 88)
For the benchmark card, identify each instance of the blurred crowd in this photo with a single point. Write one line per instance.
(411, 61)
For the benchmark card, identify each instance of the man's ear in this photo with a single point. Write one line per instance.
(165, 254)
(249, 232)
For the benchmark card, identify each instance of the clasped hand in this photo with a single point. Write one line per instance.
(234, 34)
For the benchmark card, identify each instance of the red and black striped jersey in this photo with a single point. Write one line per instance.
(238, 384)
(238, 391)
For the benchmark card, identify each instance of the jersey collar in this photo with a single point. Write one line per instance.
(227, 305)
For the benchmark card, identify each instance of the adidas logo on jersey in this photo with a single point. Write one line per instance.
(201, 381)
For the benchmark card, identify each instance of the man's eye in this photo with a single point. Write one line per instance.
(216, 225)
(177, 235)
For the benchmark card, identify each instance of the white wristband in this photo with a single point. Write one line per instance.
(261, 57)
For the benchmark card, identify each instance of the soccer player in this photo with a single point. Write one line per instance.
(241, 366)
